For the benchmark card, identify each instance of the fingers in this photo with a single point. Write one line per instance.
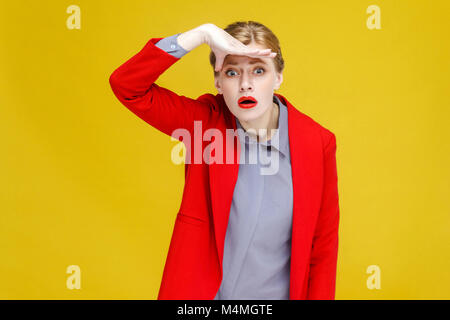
(241, 49)
(267, 53)
(245, 51)
(219, 62)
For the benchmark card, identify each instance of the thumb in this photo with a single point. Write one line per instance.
(219, 62)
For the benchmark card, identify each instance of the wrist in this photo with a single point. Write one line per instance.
(191, 39)
(205, 31)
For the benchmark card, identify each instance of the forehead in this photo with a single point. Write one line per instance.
(239, 60)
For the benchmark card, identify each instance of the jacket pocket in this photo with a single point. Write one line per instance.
(190, 220)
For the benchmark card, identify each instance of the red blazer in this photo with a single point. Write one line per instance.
(193, 269)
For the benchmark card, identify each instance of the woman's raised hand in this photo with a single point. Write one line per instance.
(220, 42)
(223, 44)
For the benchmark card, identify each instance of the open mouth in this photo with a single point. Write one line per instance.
(247, 102)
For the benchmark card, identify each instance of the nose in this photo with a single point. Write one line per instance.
(246, 83)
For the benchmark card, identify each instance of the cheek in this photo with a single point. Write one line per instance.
(266, 83)
(229, 91)
(228, 85)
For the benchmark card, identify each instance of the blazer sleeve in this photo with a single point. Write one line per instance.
(322, 274)
(133, 83)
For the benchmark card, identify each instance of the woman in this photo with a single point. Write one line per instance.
(241, 232)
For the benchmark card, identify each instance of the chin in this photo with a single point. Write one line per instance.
(249, 115)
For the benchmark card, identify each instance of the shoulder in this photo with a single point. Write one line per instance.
(220, 114)
(327, 136)
(213, 100)
(310, 126)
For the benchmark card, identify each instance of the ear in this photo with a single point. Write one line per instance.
(278, 80)
(217, 84)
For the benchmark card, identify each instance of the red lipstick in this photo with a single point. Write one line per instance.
(247, 102)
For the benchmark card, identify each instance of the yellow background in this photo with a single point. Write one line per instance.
(87, 183)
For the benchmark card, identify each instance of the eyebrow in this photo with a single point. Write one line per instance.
(257, 60)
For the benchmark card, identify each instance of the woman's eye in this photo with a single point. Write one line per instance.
(230, 73)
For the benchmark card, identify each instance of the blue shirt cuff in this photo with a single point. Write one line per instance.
(171, 46)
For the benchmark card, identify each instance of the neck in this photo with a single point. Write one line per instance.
(268, 121)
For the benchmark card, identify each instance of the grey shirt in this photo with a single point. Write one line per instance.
(257, 250)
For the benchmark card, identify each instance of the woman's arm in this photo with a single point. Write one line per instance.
(133, 83)
(191, 39)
